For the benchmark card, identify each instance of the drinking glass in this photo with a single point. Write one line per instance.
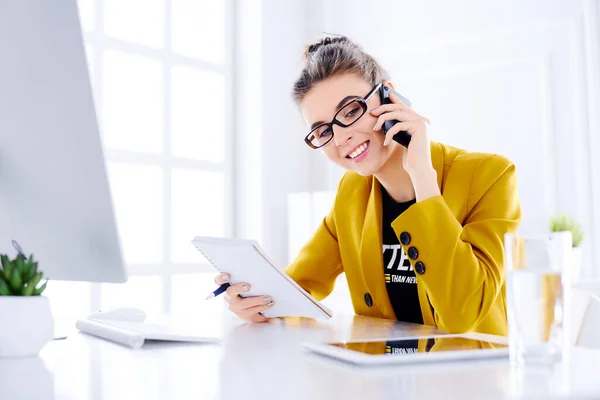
(537, 288)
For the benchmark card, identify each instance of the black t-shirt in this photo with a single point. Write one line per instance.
(400, 277)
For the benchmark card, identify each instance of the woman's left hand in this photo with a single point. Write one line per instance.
(418, 154)
(417, 158)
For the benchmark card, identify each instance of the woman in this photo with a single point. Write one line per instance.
(418, 230)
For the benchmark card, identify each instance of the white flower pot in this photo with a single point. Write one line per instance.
(576, 255)
(26, 325)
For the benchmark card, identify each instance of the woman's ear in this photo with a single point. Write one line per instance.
(389, 84)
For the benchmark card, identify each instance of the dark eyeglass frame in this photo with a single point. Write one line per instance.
(363, 104)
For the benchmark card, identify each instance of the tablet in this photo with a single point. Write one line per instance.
(410, 350)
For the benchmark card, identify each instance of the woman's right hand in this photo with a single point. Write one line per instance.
(247, 308)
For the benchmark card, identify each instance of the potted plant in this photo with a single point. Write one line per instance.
(561, 223)
(26, 322)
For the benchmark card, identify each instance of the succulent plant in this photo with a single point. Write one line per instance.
(561, 223)
(20, 276)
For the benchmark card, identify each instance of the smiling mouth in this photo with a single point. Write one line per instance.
(359, 150)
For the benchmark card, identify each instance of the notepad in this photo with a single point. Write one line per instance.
(245, 261)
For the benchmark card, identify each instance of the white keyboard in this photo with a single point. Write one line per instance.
(134, 334)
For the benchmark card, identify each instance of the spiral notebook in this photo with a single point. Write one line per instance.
(245, 261)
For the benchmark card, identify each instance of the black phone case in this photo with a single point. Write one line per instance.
(401, 137)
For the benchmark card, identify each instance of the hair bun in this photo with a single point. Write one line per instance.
(334, 55)
(324, 42)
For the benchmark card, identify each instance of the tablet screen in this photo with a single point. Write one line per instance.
(420, 345)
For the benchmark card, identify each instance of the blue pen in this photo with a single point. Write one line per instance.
(219, 290)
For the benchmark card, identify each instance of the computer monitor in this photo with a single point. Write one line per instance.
(54, 193)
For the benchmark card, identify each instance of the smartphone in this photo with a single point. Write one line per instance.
(401, 137)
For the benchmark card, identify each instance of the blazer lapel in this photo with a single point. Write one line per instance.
(371, 253)
(371, 249)
(438, 160)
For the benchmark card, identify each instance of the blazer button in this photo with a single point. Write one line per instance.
(404, 238)
(413, 253)
(420, 267)
(368, 300)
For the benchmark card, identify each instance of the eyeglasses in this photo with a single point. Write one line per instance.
(346, 116)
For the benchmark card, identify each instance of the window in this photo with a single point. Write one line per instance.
(159, 76)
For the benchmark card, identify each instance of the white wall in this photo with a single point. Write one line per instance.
(272, 160)
(512, 77)
(247, 119)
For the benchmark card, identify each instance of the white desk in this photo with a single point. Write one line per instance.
(265, 361)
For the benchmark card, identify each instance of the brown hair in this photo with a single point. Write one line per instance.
(334, 56)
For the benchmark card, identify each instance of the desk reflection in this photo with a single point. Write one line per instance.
(410, 346)
(25, 378)
(269, 361)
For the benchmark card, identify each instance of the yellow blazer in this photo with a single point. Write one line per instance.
(459, 238)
